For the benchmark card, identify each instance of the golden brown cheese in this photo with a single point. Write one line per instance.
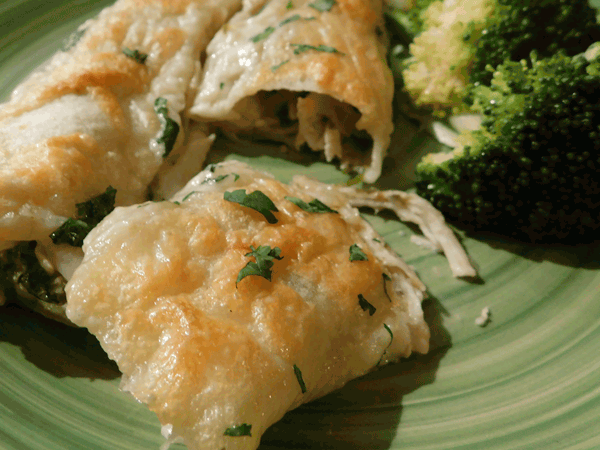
(264, 50)
(86, 119)
(158, 287)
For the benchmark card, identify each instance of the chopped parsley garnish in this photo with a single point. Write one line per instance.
(72, 232)
(136, 55)
(238, 430)
(301, 48)
(294, 18)
(289, 20)
(389, 330)
(255, 200)
(264, 256)
(377, 240)
(298, 374)
(261, 36)
(220, 178)
(221, 86)
(289, 5)
(322, 5)
(277, 66)
(170, 128)
(356, 254)
(314, 206)
(89, 213)
(365, 305)
(189, 195)
(386, 277)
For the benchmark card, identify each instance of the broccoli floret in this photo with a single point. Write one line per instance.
(461, 38)
(531, 170)
(518, 27)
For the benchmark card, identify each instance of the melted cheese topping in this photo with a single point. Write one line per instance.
(86, 119)
(158, 288)
(257, 52)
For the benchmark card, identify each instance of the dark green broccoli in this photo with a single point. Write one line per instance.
(518, 27)
(460, 39)
(532, 170)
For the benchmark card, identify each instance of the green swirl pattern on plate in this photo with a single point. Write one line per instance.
(529, 380)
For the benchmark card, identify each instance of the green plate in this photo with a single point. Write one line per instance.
(529, 380)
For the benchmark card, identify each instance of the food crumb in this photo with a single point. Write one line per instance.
(484, 318)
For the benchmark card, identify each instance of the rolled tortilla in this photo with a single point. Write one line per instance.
(104, 112)
(220, 343)
(304, 72)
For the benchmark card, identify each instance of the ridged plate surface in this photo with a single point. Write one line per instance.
(529, 380)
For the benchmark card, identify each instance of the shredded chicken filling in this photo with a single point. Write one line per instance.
(302, 119)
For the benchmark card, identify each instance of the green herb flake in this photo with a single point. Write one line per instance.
(238, 430)
(290, 20)
(170, 128)
(386, 278)
(322, 5)
(264, 256)
(294, 18)
(72, 232)
(377, 240)
(389, 330)
(261, 36)
(301, 48)
(136, 55)
(90, 213)
(221, 86)
(365, 305)
(277, 66)
(314, 206)
(215, 179)
(255, 200)
(96, 208)
(189, 195)
(220, 177)
(298, 374)
(356, 254)
(289, 5)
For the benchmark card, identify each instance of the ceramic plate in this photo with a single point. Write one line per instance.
(528, 380)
